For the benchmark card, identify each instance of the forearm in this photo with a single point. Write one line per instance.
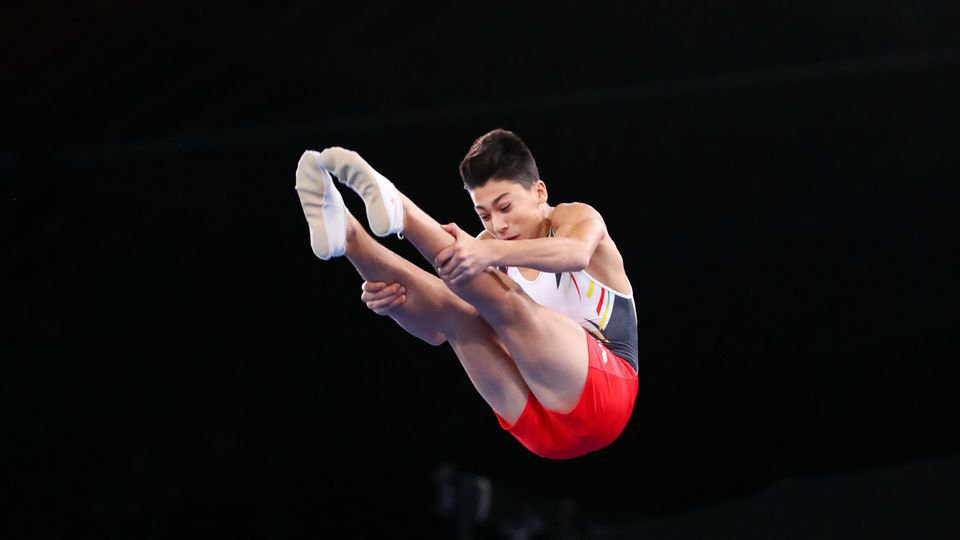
(554, 254)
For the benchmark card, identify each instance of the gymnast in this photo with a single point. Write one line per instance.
(537, 307)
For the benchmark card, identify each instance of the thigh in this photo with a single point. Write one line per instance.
(434, 313)
(487, 363)
(549, 350)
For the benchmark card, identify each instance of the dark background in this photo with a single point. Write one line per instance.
(779, 177)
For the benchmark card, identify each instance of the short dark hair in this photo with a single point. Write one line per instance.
(499, 154)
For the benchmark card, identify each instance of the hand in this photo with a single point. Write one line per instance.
(381, 297)
(463, 259)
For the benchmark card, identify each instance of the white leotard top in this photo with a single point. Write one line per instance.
(609, 315)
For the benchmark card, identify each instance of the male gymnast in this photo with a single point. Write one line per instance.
(537, 307)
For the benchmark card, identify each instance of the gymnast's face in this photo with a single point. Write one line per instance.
(508, 210)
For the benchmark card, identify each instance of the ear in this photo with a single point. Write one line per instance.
(541, 188)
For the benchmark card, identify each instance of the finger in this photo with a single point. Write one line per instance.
(462, 277)
(443, 255)
(373, 286)
(368, 296)
(373, 295)
(381, 303)
(391, 292)
(388, 292)
(456, 273)
(379, 297)
(387, 307)
(448, 267)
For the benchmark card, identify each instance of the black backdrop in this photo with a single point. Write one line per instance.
(780, 180)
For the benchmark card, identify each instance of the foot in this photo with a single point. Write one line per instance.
(323, 207)
(384, 207)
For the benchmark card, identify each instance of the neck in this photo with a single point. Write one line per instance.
(545, 224)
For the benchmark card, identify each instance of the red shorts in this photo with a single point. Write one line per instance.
(596, 421)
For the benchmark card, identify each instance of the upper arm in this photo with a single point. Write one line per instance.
(581, 222)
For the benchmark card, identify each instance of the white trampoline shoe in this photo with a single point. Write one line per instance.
(384, 206)
(322, 206)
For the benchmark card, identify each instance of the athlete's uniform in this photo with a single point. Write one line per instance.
(609, 320)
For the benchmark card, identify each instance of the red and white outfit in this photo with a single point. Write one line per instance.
(609, 320)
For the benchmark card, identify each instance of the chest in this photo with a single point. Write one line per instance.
(540, 286)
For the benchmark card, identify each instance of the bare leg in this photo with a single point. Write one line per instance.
(433, 313)
(549, 349)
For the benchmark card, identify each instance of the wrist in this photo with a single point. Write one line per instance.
(497, 252)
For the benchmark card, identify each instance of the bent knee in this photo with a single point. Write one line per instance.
(514, 307)
(437, 339)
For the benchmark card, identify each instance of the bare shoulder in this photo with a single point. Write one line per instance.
(485, 235)
(574, 212)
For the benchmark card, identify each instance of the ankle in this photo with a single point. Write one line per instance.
(353, 234)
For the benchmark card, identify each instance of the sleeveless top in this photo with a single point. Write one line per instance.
(610, 316)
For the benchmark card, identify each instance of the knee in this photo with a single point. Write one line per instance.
(435, 339)
(459, 324)
(518, 306)
(509, 308)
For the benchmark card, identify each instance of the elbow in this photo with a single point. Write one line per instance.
(581, 259)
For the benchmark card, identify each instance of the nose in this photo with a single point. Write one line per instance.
(499, 225)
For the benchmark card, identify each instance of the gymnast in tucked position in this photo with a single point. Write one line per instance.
(537, 307)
